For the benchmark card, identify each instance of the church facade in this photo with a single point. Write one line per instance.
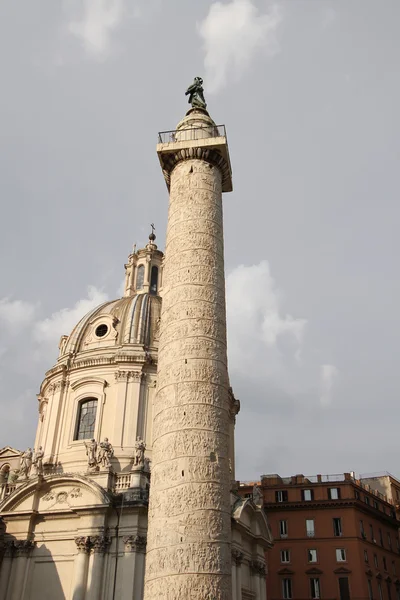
(74, 508)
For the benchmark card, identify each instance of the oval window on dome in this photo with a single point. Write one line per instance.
(101, 330)
(140, 277)
(154, 280)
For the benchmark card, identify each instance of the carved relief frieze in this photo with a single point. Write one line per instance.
(195, 558)
(63, 496)
(191, 416)
(192, 442)
(135, 376)
(203, 587)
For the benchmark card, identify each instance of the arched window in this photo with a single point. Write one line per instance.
(86, 419)
(140, 277)
(154, 280)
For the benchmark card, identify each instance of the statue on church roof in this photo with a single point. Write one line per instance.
(106, 452)
(196, 94)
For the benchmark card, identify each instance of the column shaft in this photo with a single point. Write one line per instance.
(238, 582)
(234, 584)
(5, 572)
(81, 568)
(189, 551)
(17, 578)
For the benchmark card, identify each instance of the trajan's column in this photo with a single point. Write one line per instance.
(189, 536)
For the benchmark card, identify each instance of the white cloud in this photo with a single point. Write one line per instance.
(328, 376)
(15, 314)
(94, 28)
(258, 329)
(63, 321)
(232, 33)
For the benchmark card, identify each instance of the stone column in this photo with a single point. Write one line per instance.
(81, 567)
(189, 536)
(5, 569)
(233, 578)
(263, 582)
(133, 567)
(237, 557)
(16, 585)
(257, 568)
(99, 545)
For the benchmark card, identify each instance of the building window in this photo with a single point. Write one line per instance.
(366, 500)
(283, 529)
(389, 590)
(140, 277)
(397, 592)
(340, 554)
(362, 532)
(380, 591)
(384, 563)
(366, 556)
(287, 589)
(334, 493)
(375, 561)
(356, 494)
(312, 556)
(281, 496)
(310, 527)
(370, 594)
(337, 527)
(86, 419)
(371, 532)
(308, 495)
(376, 505)
(154, 280)
(344, 588)
(315, 588)
(381, 537)
(285, 556)
(389, 541)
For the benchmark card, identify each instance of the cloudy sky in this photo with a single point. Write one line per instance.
(309, 91)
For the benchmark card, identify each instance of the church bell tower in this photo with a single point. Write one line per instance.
(189, 531)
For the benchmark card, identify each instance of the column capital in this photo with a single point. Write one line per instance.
(237, 556)
(100, 543)
(83, 544)
(23, 547)
(259, 567)
(135, 543)
(9, 548)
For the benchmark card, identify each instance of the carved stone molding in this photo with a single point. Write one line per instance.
(237, 556)
(258, 567)
(211, 156)
(100, 543)
(135, 543)
(128, 376)
(83, 544)
(23, 547)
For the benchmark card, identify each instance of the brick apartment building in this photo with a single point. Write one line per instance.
(335, 537)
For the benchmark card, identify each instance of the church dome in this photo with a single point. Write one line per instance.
(130, 320)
